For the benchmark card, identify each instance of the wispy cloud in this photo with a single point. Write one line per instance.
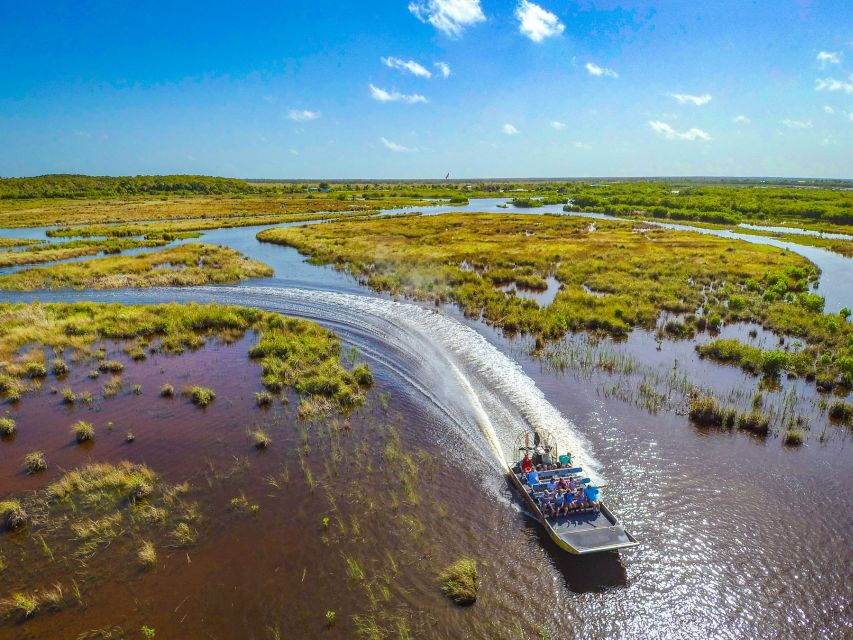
(302, 115)
(395, 96)
(559, 126)
(829, 57)
(396, 148)
(451, 17)
(686, 98)
(671, 134)
(293, 152)
(582, 145)
(797, 124)
(595, 70)
(741, 119)
(443, 69)
(537, 23)
(831, 84)
(409, 66)
(828, 109)
(509, 129)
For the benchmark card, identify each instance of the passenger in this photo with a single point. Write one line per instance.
(532, 478)
(580, 499)
(568, 503)
(552, 486)
(558, 505)
(591, 495)
(527, 464)
(562, 485)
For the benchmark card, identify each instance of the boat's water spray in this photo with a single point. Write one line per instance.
(487, 394)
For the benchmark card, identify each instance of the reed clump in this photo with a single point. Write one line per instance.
(7, 426)
(12, 514)
(83, 431)
(459, 581)
(200, 396)
(147, 554)
(34, 462)
(754, 422)
(260, 439)
(167, 391)
(794, 437)
(841, 411)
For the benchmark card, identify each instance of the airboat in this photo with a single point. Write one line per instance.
(593, 529)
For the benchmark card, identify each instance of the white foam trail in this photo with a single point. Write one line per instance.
(487, 378)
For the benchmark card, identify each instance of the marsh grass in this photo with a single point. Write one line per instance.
(185, 265)
(147, 554)
(794, 437)
(263, 398)
(841, 411)
(260, 439)
(641, 275)
(459, 581)
(200, 396)
(292, 353)
(59, 367)
(68, 396)
(167, 391)
(13, 514)
(83, 431)
(7, 427)
(34, 462)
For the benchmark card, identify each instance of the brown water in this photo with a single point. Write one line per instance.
(741, 537)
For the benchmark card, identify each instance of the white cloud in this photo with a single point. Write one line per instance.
(797, 124)
(850, 116)
(686, 98)
(559, 126)
(671, 134)
(741, 119)
(828, 109)
(407, 65)
(831, 84)
(396, 148)
(293, 152)
(595, 70)
(395, 96)
(829, 57)
(448, 16)
(509, 130)
(582, 145)
(537, 23)
(443, 69)
(302, 115)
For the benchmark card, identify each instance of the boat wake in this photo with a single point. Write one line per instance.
(484, 394)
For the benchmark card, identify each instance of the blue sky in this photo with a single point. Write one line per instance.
(419, 88)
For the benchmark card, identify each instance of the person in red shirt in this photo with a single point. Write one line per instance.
(527, 464)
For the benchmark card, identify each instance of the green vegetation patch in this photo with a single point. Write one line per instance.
(292, 353)
(73, 249)
(187, 265)
(459, 581)
(613, 275)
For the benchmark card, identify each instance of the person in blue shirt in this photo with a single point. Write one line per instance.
(591, 493)
(532, 478)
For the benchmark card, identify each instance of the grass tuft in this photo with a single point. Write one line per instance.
(459, 581)
(794, 437)
(200, 396)
(167, 391)
(35, 462)
(7, 427)
(147, 554)
(260, 439)
(13, 514)
(83, 431)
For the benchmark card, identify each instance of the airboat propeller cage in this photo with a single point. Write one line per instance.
(544, 445)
